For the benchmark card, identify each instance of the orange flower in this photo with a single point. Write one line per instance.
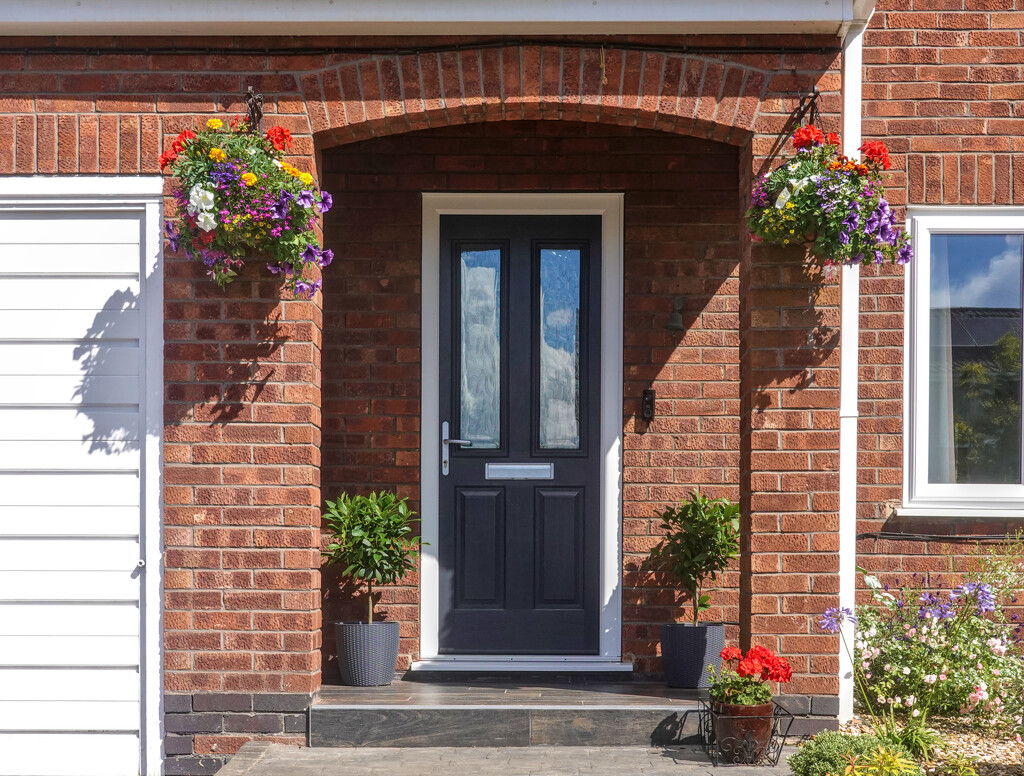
(731, 653)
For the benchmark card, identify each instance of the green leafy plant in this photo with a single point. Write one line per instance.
(373, 539)
(882, 761)
(830, 752)
(958, 764)
(701, 536)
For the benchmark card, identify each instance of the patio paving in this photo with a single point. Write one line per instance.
(261, 758)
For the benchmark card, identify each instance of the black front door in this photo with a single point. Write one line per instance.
(520, 504)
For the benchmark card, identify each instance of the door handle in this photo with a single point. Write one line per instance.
(446, 442)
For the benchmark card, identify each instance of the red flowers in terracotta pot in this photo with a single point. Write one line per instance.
(746, 685)
(741, 702)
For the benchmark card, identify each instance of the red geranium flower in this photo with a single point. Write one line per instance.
(731, 653)
(750, 666)
(778, 670)
(808, 136)
(184, 136)
(167, 157)
(876, 152)
(279, 137)
(832, 138)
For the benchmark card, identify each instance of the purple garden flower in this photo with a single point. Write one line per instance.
(278, 269)
(833, 619)
(281, 208)
(309, 254)
(978, 592)
(326, 257)
(326, 201)
(302, 288)
(905, 254)
(173, 237)
(304, 199)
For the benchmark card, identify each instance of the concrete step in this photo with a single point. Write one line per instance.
(503, 714)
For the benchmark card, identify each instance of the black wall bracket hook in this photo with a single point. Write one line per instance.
(809, 108)
(254, 105)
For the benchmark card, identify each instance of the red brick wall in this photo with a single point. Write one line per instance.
(944, 88)
(243, 400)
(676, 243)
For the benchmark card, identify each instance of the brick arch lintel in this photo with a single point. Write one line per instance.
(388, 94)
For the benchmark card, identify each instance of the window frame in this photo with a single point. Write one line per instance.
(919, 496)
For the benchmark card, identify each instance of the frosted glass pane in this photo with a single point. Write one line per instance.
(974, 380)
(560, 348)
(480, 357)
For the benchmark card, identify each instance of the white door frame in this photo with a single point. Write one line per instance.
(609, 207)
(142, 194)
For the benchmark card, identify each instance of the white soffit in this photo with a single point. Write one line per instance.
(429, 17)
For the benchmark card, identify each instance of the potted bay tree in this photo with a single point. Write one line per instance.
(374, 544)
(701, 536)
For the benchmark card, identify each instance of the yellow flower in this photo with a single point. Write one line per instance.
(789, 205)
(306, 178)
(214, 123)
(217, 155)
(248, 178)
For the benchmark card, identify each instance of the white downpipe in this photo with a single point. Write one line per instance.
(853, 58)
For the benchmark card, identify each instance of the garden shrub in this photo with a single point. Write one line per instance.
(926, 652)
(829, 753)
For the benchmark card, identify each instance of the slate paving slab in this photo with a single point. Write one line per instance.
(260, 758)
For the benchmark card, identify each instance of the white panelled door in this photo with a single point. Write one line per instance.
(79, 476)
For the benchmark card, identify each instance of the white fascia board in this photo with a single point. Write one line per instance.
(427, 17)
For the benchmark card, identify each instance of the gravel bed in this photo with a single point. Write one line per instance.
(995, 752)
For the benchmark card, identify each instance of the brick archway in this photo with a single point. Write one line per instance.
(695, 95)
(787, 347)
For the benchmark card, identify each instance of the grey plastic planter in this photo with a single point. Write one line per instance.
(367, 652)
(686, 652)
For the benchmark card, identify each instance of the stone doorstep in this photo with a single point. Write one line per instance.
(503, 714)
(261, 758)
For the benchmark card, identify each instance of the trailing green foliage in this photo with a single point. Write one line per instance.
(373, 539)
(701, 536)
(830, 753)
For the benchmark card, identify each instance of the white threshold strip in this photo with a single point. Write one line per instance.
(521, 663)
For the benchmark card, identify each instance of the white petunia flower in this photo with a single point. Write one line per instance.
(206, 221)
(199, 199)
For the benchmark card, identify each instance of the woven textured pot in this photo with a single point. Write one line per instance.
(687, 651)
(367, 652)
(742, 733)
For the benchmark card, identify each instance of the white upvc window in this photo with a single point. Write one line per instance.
(965, 305)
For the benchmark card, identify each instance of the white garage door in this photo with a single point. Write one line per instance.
(79, 464)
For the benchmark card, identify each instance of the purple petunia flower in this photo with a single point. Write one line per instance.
(326, 201)
(304, 199)
(277, 269)
(904, 254)
(309, 254)
(307, 289)
(844, 238)
(326, 257)
(833, 619)
(282, 206)
(173, 237)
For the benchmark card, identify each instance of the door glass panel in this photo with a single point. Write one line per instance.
(559, 348)
(480, 345)
(974, 379)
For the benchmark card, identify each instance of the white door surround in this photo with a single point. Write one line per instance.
(609, 207)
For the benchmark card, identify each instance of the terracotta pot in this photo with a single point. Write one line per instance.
(742, 733)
